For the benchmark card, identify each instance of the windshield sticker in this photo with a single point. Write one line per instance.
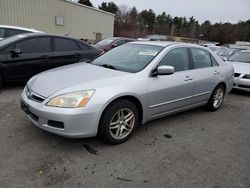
(148, 53)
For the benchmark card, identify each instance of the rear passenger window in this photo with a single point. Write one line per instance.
(62, 45)
(35, 45)
(178, 58)
(201, 58)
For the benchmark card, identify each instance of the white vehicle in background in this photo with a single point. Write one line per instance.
(8, 31)
(241, 63)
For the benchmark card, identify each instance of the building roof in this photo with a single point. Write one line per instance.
(92, 8)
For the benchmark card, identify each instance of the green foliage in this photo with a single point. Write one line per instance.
(86, 2)
(109, 7)
(131, 23)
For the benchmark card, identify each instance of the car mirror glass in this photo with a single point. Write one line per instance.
(114, 45)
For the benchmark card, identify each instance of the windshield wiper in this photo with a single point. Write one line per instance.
(109, 66)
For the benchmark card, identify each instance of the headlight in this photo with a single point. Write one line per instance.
(72, 100)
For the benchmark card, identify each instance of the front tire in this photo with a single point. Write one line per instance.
(216, 99)
(118, 122)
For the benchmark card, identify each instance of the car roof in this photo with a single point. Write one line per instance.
(245, 51)
(167, 43)
(44, 34)
(117, 38)
(20, 28)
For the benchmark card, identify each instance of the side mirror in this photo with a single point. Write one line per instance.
(15, 52)
(163, 70)
(224, 59)
(114, 45)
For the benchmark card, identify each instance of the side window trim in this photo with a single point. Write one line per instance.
(213, 60)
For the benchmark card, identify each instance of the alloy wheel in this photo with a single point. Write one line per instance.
(122, 123)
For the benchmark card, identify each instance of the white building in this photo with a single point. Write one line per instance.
(59, 17)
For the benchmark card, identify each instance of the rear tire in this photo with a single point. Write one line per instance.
(216, 99)
(118, 122)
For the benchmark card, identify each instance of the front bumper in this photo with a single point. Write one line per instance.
(72, 123)
(241, 83)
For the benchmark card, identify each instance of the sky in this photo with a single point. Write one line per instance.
(214, 10)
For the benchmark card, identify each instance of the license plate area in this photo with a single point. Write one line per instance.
(25, 107)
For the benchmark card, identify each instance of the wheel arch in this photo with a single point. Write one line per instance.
(131, 98)
(223, 84)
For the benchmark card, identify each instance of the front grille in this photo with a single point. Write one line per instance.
(56, 124)
(36, 98)
(247, 76)
(244, 86)
(33, 96)
(236, 74)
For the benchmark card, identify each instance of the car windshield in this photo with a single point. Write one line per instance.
(11, 39)
(240, 57)
(129, 57)
(107, 41)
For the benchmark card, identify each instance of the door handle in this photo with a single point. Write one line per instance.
(44, 56)
(188, 78)
(216, 72)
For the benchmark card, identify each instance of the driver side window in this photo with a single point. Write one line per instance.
(177, 58)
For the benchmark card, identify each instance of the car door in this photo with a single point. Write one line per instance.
(168, 93)
(65, 51)
(205, 72)
(32, 58)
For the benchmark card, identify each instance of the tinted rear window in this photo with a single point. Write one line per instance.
(62, 45)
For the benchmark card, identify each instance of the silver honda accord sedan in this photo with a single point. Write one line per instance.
(127, 86)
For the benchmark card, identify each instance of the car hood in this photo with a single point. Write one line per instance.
(240, 67)
(83, 75)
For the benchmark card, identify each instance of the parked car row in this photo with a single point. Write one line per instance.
(240, 59)
(110, 43)
(241, 64)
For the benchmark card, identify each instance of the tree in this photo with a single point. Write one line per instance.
(109, 7)
(86, 2)
(148, 19)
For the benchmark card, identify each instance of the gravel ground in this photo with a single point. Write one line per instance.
(191, 149)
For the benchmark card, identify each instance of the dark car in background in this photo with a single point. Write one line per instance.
(109, 43)
(22, 56)
(8, 31)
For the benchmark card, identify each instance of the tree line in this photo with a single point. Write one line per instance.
(129, 22)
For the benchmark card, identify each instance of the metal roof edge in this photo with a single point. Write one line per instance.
(92, 8)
